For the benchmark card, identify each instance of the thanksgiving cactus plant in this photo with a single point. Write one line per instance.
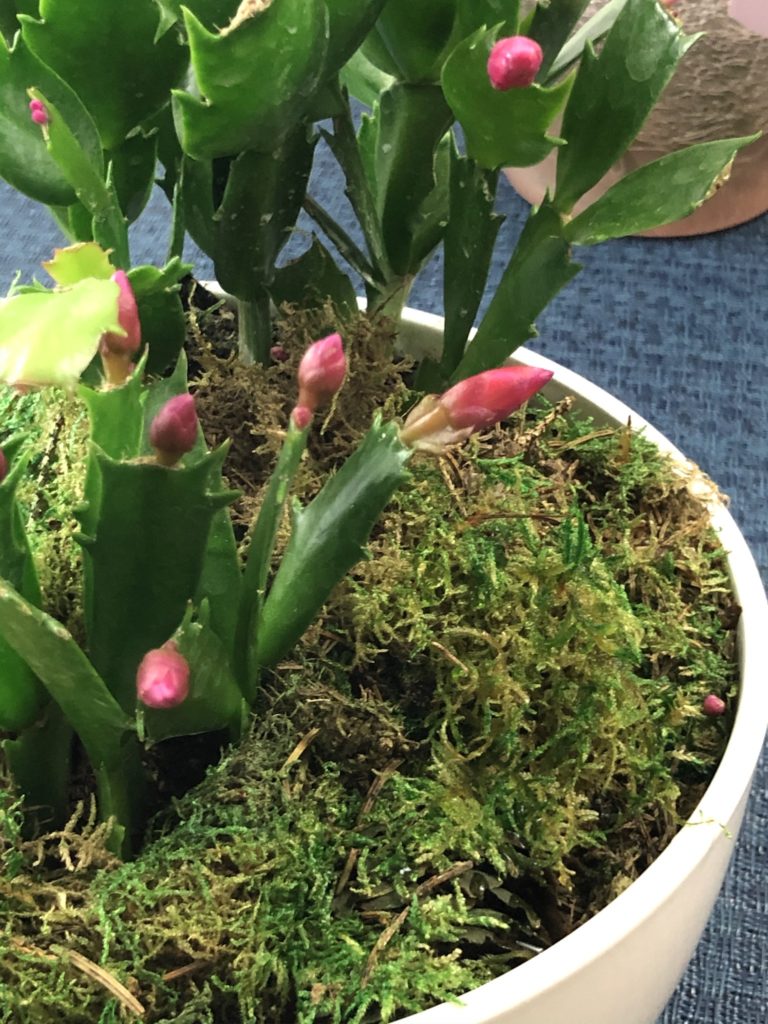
(224, 105)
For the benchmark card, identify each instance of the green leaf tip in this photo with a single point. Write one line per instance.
(657, 193)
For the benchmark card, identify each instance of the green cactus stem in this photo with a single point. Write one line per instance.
(98, 196)
(145, 557)
(106, 732)
(328, 538)
(254, 328)
(22, 696)
(41, 764)
(260, 552)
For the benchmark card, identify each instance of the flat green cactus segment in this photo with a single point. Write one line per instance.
(71, 264)
(311, 279)
(214, 14)
(551, 25)
(40, 760)
(658, 193)
(327, 539)
(24, 160)
(469, 240)
(540, 266)
(121, 85)
(163, 325)
(144, 557)
(261, 548)
(349, 21)
(116, 417)
(402, 144)
(220, 578)
(51, 337)
(70, 678)
(414, 39)
(364, 80)
(501, 128)
(259, 208)
(16, 566)
(132, 169)
(215, 700)
(120, 420)
(259, 74)
(613, 94)
(255, 80)
(22, 696)
(116, 422)
(99, 213)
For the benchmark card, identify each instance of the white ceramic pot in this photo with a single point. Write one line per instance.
(622, 966)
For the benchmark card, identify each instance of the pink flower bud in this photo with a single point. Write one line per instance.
(38, 112)
(278, 354)
(127, 317)
(321, 371)
(514, 62)
(162, 678)
(489, 397)
(116, 348)
(3, 466)
(471, 405)
(301, 416)
(174, 429)
(713, 706)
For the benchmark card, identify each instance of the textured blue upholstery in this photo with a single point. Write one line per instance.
(677, 329)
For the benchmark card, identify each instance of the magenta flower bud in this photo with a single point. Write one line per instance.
(116, 348)
(162, 678)
(3, 466)
(514, 63)
(713, 706)
(471, 405)
(38, 113)
(278, 354)
(480, 401)
(321, 372)
(128, 318)
(301, 416)
(174, 429)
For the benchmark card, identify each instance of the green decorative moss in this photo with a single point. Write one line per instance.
(493, 730)
(54, 424)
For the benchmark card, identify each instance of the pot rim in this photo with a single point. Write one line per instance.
(721, 803)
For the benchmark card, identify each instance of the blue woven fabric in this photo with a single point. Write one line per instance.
(677, 329)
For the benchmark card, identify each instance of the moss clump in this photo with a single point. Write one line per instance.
(54, 424)
(492, 730)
